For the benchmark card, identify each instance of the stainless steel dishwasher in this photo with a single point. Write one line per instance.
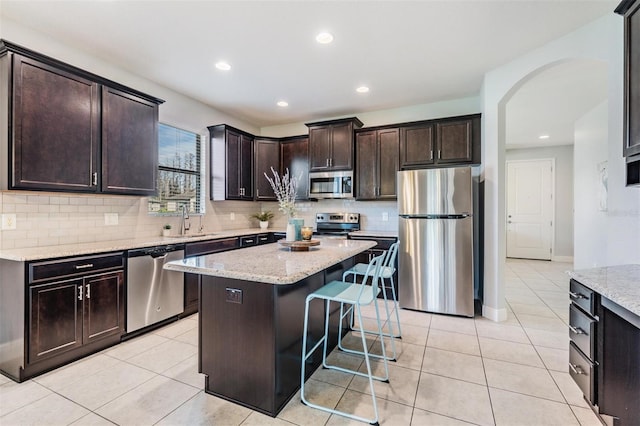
(153, 293)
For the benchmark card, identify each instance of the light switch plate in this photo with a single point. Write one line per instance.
(385, 216)
(8, 221)
(111, 219)
(232, 216)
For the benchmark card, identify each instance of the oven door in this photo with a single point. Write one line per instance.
(331, 185)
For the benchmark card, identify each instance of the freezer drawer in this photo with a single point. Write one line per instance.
(435, 262)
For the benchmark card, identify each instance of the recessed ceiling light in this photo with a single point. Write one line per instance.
(283, 104)
(362, 89)
(222, 65)
(324, 38)
(543, 137)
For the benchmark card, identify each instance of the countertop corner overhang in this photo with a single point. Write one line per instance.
(272, 263)
(620, 284)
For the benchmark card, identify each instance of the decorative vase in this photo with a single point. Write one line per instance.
(298, 223)
(264, 224)
(291, 232)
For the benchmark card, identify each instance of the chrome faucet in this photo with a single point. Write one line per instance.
(185, 224)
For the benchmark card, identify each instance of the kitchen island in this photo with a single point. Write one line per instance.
(251, 317)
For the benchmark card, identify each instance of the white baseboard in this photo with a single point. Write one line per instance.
(562, 259)
(494, 314)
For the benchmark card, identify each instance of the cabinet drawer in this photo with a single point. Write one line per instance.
(582, 331)
(583, 373)
(41, 271)
(264, 239)
(248, 241)
(211, 246)
(583, 297)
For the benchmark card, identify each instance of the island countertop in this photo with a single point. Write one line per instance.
(272, 263)
(617, 283)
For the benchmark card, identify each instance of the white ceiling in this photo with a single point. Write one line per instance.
(408, 53)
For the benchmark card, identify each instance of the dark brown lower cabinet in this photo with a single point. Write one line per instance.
(69, 314)
(619, 378)
(251, 337)
(382, 245)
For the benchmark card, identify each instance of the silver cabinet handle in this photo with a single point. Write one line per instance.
(88, 291)
(577, 295)
(576, 330)
(249, 241)
(439, 156)
(85, 266)
(94, 179)
(576, 369)
(80, 293)
(326, 162)
(431, 156)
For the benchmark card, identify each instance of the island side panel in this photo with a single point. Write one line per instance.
(290, 306)
(330, 274)
(236, 341)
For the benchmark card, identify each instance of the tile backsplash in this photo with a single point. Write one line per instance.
(49, 219)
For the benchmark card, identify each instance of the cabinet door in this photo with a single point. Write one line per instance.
(366, 165)
(56, 125)
(388, 141)
(632, 80)
(294, 155)
(267, 156)
(246, 167)
(416, 146)
(129, 143)
(454, 142)
(55, 318)
(341, 147)
(233, 146)
(103, 306)
(319, 148)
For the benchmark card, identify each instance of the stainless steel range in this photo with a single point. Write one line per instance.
(337, 223)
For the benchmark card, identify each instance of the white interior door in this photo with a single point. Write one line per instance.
(529, 208)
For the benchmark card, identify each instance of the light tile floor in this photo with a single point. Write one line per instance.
(449, 371)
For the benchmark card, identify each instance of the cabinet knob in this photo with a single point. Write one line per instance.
(80, 293)
(88, 291)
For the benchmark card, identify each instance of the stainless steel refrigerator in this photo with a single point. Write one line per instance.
(436, 231)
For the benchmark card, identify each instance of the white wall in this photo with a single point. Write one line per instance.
(563, 202)
(600, 40)
(590, 150)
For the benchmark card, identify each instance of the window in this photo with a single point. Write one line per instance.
(179, 171)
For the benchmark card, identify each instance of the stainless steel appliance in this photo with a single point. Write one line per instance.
(337, 223)
(436, 233)
(153, 293)
(331, 184)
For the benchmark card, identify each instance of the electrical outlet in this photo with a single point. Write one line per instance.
(111, 219)
(232, 216)
(385, 216)
(8, 221)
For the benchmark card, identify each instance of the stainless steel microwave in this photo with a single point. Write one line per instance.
(331, 184)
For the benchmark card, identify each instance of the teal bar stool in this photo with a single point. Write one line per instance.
(356, 295)
(386, 274)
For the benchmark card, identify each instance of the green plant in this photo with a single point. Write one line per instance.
(263, 216)
(167, 226)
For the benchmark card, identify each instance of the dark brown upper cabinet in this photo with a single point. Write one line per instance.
(267, 155)
(129, 143)
(630, 9)
(71, 130)
(331, 144)
(377, 164)
(438, 143)
(294, 155)
(231, 163)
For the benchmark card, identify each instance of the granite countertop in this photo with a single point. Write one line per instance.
(81, 249)
(272, 263)
(620, 284)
